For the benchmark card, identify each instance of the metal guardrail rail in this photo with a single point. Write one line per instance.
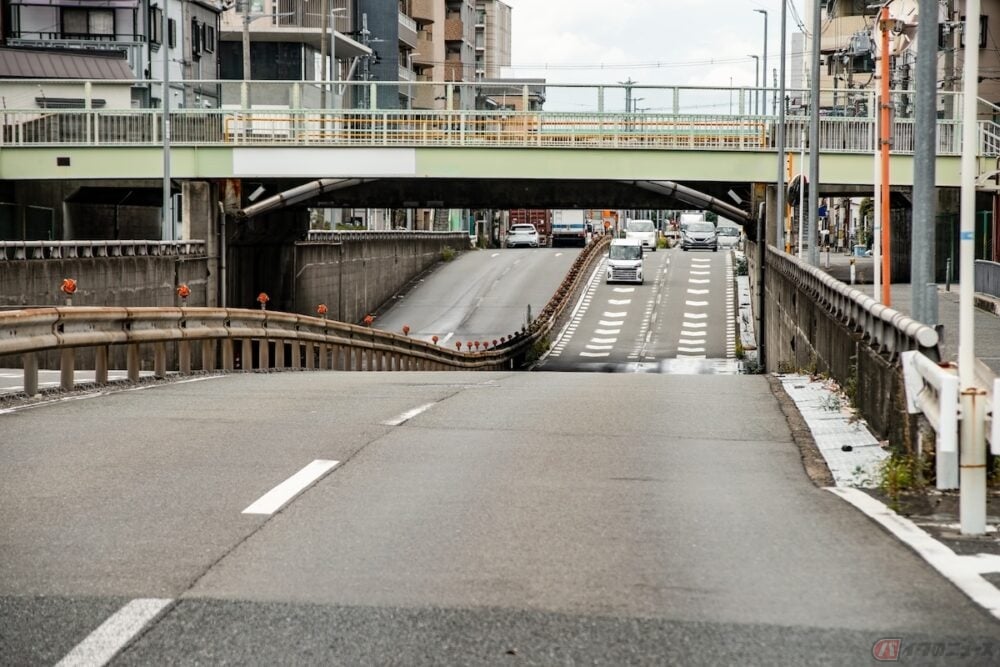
(335, 235)
(886, 329)
(27, 250)
(259, 339)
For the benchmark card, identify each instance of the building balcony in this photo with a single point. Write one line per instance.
(422, 10)
(454, 30)
(406, 74)
(407, 30)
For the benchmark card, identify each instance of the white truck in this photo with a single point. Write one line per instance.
(569, 226)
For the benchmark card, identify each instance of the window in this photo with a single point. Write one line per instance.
(155, 25)
(196, 37)
(171, 33)
(88, 23)
(983, 30)
(209, 38)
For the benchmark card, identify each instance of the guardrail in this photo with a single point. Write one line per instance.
(15, 250)
(887, 330)
(335, 235)
(230, 339)
(987, 277)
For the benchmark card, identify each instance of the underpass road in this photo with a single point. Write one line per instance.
(543, 517)
(481, 295)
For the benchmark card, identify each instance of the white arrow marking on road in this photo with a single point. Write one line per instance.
(607, 314)
(695, 316)
(102, 644)
(603, 340)
(607, 332)
(619, 302)
(276, 498)
(696, 303)
(698, 291)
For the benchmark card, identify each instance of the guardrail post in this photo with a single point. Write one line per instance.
(228, 360)
(310, 348)
(295, 352)
(184, 357)
(160, 360)
(132, 362)
(972, 474)
(246, 355)
(208, 360)
(30, 362)
(101, 364)
(67, 363)
(264, 354)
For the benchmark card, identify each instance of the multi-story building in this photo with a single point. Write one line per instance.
(493, 43)
(130, 30)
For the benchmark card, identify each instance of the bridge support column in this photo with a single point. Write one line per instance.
(200, 220)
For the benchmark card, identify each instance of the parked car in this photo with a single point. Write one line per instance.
(525, 235)
(729, 237)
(700, 235)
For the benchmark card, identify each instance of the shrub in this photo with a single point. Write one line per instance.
(448, 253)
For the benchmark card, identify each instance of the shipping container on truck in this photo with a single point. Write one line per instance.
(541, 218)
(569, 226)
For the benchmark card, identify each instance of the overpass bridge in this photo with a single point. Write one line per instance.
(585, 149)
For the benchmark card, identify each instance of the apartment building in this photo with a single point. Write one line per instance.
(493, 38)
(129, 30)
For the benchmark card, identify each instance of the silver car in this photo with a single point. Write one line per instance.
(525, 235)
(729, 237)
(700, 235)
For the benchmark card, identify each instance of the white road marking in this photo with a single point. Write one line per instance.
(595, 354)
(694, 333)
(701, 273)
(698, 281)
(279, 496)
(558, 254)
(696, 303)
(600, 347)
(963, 571)
(690, 356)
(687, 341)
(603, 341)
(695, 325)
(696, 316)
(496, 254)
(619, 302)
(408, 415)
(608, 314)
(607, 332)
(101, 645)
(690, 349)
(624, 290)
(698, 291)
(611, 323)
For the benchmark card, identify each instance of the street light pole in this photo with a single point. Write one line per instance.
(813, 218)
(764, 12)
(756, 83)
(167, 222)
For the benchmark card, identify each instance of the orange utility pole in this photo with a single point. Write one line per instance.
(885, 141)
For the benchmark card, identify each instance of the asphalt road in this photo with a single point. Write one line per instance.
(519, 518)
(481, 295)
(680, 321)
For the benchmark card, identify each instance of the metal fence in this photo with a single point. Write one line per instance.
(27, 250)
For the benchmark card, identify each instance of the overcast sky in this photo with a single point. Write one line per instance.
(665, 42)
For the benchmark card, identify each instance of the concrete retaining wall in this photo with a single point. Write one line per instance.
(803, 335)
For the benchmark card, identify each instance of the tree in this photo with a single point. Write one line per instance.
(711, 217)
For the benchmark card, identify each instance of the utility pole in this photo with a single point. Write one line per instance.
(924, 194)
(323, 28)
(167, 221)
(885, 140)
(813, 218)
(779, 195)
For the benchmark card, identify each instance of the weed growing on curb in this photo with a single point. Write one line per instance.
(448, 253)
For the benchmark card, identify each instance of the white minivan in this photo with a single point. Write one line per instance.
(625, 261)
(644, 231)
